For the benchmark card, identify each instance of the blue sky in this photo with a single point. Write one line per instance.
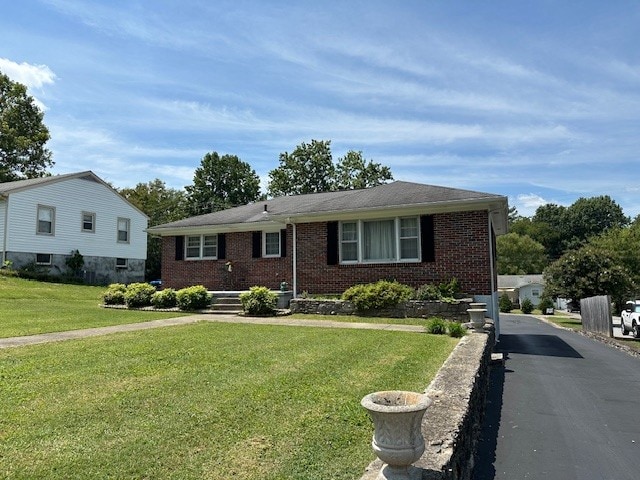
(537, 100)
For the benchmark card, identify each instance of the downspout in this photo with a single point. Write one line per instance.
(295, 261)
(494, 289)
(5, 228)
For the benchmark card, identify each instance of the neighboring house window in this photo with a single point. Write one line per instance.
(535, 292)
(271, 244)
(46, 220)
(43, 259)
(122, 262)
(389, 240)
(124, 227)
(201, 246)
(88, 222)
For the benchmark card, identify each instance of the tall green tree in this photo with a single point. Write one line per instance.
(23, 134)
(588, 217)
(353, 172)
(222, 182)
(586, 272)
(308, 169)
(162, 205)
(520, 255)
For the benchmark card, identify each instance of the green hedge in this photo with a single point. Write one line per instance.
(378, 295)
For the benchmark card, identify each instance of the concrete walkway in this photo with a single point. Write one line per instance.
(171, 322)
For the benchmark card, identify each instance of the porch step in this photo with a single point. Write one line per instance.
(226, 303)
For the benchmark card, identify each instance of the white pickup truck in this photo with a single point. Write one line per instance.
(630, 318)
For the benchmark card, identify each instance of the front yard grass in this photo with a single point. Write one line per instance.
(214, 401)
(28, 307)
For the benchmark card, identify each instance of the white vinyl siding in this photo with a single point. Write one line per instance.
(380, 241)
(201, 246)
(71, 198)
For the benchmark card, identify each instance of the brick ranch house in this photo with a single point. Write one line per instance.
(327, 242)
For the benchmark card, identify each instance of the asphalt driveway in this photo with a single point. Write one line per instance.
(563, 407)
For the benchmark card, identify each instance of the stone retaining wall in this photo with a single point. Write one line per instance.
(456, 311)
(451, 426)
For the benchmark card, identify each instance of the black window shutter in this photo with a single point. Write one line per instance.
(222, 246)
(180, 248)
(427, 238)
(256, 244)
(283, 242)
(332, 243)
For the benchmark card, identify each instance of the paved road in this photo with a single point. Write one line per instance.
(565, 407)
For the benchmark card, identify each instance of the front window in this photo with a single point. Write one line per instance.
(380, 241)
(201, 246)
(349, 242)
(272, 244)
(46, 220)
(124, 226)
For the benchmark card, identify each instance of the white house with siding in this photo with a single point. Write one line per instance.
(43, 220)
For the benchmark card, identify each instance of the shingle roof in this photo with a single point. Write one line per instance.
(8, 187)
(396, 194)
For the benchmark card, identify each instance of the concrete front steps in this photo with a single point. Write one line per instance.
(225, 303)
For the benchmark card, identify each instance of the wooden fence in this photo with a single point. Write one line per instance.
(596, 315)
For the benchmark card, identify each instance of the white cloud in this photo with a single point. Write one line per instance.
(33, 76)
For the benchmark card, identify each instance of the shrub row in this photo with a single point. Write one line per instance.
(388, 294)
(137, 295)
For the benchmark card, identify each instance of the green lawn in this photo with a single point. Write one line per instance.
(28, 307)
(203, 401)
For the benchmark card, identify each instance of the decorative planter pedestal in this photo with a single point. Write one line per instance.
(476, 312)
(397, 438)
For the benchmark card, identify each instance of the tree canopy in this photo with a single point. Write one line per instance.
(310, 169)
(161, 205)
(519, 255)
(23, 134)
(222, 182)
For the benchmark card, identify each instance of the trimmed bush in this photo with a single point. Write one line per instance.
(437, 326)
(428, 293)
(450, 289)
(259, 301)
(379, 295)
(114, 294)
(456, 330)
(545, 303)
(527, 306)
(193, 298)
(139, 295)
(164, 299)
(505, 304)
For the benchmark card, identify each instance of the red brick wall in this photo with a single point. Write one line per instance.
(246, 271)
(461, 244)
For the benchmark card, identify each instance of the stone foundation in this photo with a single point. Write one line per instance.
(456, 311)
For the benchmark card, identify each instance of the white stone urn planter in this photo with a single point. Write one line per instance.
(397, 437)
(477, 317)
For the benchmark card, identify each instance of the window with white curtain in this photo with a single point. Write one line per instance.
(389, 240)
